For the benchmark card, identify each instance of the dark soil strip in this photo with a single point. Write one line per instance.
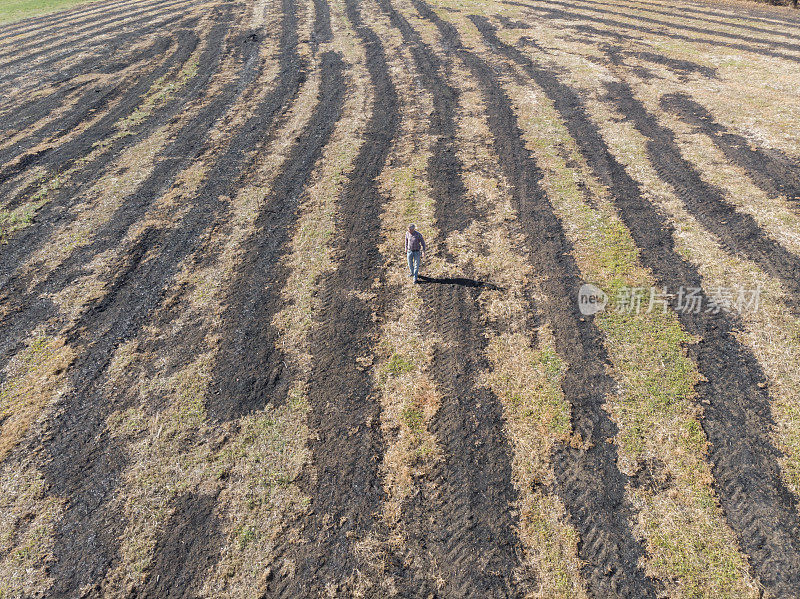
(737, 417)
(80, 468)
(58, 158)
(588, 481)
(459, 525)
(346, 491)
(186, 552)
(120, 53)
(251, 370)
(771, 170)
(19, 117)
(61, 157)
(582, 28)
(32, 306)
(750, 13)
(737, 231)
(55, 66)
(682, 67)
(617, 26)
(322, 25)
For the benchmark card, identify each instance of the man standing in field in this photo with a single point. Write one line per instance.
(415, 250)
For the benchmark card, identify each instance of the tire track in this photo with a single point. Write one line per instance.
(257, 300)
(251, 370)
(118, 54)
(737, 418)
(773, 172)
(187, 550)
(15, 116)
(57, 210)
(588, 481)
(322, 25)
(459, 527)
(346, 492)
(31, 303)
(19, 117)
(738, 232)
(81, 469)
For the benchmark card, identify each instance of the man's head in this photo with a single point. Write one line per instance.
(412, 228)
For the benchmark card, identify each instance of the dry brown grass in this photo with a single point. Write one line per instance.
(155, 476)
(771, 333)
(409, 399)
(689, 545)
(32, 378)
(256, 457)
(27, 517)
(777, 217)
(99, 203)
(525, 370)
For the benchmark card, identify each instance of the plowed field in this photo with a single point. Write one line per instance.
(217, 379)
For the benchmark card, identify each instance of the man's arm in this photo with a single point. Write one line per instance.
(422, 243)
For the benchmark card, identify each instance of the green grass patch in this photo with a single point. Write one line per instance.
(14, 10)
(399, 364)
(23, 215)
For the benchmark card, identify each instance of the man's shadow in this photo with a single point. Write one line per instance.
(461, 281)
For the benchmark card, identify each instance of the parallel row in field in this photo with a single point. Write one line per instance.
(217, 379)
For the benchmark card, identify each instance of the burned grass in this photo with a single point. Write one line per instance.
(771, 170)
(659, 440)
(245, 385)
(136, 276)
(738, 232)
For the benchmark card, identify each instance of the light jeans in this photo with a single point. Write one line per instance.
(414, 262)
